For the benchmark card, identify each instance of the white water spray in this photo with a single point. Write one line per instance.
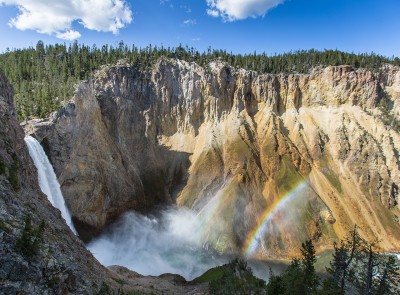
(47, 179)
(156, 245)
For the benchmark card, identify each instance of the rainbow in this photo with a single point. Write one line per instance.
(210, 211)
(254, 239)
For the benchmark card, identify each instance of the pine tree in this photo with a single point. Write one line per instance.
(24, 242)
(275, 284)
(337, 269)
(30, 240)
(389, 279)
(308, 264)
(293, 279)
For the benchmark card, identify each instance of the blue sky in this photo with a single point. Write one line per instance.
(240, 26)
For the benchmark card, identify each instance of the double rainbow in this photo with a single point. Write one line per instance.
(254, 239)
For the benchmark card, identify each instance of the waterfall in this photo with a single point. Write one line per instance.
(47, 179)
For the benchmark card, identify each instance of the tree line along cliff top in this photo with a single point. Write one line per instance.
(44, 77)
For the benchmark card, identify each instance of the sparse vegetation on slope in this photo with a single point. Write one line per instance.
(31, 239)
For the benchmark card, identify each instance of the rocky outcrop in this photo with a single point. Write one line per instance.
(266, 160)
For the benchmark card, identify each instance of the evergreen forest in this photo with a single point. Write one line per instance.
(44, 76)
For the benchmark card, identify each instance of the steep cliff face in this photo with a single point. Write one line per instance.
(266, 160)
(63, 265)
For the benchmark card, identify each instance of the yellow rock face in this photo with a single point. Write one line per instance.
(267, 161)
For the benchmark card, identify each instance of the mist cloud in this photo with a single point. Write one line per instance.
(153, 246)
(56, 17)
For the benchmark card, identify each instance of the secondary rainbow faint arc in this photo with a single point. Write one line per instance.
(212, 209)
(256, 233)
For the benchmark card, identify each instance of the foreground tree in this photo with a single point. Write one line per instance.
(389, 279)
(358, 265)
(341, 267)
(308, 265)
(300, 278)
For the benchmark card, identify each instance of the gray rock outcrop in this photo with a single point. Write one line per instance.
(63, 265)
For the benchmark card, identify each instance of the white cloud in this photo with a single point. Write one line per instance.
(56, 17)
(213, 12)
(69, 35)
(190, 22)
(231, 10)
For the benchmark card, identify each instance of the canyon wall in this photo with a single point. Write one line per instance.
(267, 161)
(62, 265)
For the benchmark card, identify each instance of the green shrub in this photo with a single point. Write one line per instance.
(30, 241)
(11, 173)
(13, 176)
(4, 227)
(105, 289)
(237, 278)
(2, 168)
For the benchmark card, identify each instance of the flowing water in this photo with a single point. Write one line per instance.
(47, 179)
